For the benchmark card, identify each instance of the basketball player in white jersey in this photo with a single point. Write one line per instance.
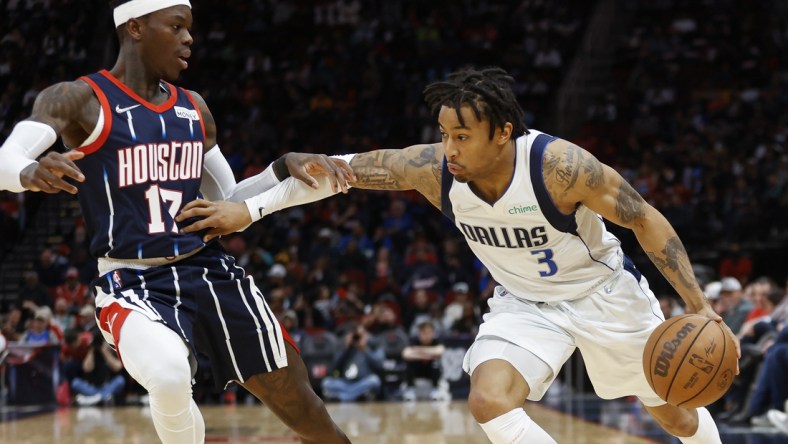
(531, 207)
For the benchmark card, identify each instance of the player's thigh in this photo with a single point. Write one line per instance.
(288, 393)
(285, 387)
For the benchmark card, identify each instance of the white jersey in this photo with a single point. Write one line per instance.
(532, 249)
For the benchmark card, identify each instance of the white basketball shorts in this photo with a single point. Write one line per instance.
(610, 327)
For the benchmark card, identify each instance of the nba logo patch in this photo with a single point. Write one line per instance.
(116, 282)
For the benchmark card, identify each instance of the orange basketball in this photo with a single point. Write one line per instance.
(690, 361)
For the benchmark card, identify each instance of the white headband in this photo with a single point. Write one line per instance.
(138, 8)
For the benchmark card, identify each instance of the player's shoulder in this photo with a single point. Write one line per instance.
(65, 100)
(71, 89)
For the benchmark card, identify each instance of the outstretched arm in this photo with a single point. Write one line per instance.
(416, 167)
(574, 176)
(218, 180)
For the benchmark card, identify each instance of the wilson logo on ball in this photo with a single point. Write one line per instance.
(662, 366)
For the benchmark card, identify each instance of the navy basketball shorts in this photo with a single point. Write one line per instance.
(207, 300)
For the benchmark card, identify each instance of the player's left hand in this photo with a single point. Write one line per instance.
(219, 217)
(711, 314)
(304, 166)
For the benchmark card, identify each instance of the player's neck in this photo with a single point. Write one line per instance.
(133, 73)
(494, 183)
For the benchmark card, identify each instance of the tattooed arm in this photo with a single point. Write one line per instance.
(575, 177)
(69, 110)
(416, 167)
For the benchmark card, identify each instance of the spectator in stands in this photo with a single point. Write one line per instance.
(453, 311)
(40, 331)
(73, 350)
(736, 307)
(736, 264)
(101, 377)
(289, 320)
(33, 293)
(669, 306)
(72, 290)
(62, 317)
(12, 326)
(356, 371)
(468, 324)
(712, 293)
(771, 388)
(423, 359)
(420, 310)
(50, 268)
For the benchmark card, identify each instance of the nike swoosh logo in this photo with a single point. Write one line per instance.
(468, 208)
(120, 110)
(111, 322)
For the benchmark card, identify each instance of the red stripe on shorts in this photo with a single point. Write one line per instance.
(287, 338)
(111, 319)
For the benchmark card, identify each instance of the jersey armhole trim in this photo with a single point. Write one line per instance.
(196, 108)
(107, 127)
(446, 181)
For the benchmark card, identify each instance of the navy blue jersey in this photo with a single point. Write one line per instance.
(144, 166)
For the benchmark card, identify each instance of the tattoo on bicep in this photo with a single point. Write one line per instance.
(61, 100)
(569, 171)
(566, 169)
(629, 204)
(673, 259)
(423, 157)
(594, 172)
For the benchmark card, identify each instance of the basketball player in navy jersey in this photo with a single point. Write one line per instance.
(143, 148)
(531, 207)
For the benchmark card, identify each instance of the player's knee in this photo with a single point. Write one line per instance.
(171, 380)
(486, 405)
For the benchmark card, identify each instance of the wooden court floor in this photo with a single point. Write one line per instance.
(366, 423)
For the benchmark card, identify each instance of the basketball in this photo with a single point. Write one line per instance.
(690, 361)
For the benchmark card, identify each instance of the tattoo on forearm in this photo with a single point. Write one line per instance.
(374, 170)
(673, 261)
(395, 169)
(629, 204)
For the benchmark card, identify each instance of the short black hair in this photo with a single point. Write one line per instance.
(488, 92)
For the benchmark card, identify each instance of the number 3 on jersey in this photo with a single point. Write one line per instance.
(156, 197)
(547, 259)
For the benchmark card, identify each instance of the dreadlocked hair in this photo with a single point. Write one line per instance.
(488, 92)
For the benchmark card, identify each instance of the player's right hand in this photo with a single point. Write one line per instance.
(47, 174)
(304, 166)
(219, 217)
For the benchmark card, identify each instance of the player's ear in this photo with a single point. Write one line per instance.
(505, 134)
(134, 28)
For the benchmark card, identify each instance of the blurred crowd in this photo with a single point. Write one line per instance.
(372, 284)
